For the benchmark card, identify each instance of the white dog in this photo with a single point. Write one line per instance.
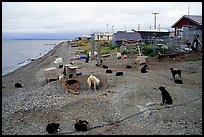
(94, 80)
(119, 55)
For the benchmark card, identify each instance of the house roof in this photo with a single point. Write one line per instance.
(127, 36)
(194, 18)
(152, 30)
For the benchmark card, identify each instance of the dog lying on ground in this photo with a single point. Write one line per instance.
(81, 125)
(93, 80)
(174, 72)
(18, 85)
(109, 71)
(144, 69)
(178, 81)
(52, 128)
(166, 98)
(70, 82)
(104, 66)
(128, 66)
(119, 73)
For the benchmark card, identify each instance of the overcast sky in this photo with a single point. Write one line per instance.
(72, 19)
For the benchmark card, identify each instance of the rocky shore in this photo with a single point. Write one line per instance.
(129, 105)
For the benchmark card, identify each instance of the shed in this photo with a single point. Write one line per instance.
(70, 69)
(120, 36)
(147, 34)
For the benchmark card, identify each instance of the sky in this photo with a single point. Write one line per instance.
(68, 20)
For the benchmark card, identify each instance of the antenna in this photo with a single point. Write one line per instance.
(155, 19)
(188, 10)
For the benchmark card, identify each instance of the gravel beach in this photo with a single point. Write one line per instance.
(129, 105)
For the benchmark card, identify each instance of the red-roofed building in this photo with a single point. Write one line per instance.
(187, 27)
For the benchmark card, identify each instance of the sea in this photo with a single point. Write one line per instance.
(18, 53)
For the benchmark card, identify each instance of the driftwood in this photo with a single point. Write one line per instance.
(170, 55)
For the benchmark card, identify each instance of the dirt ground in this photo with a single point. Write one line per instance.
(130, 105)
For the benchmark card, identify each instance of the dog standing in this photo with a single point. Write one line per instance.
(70, 82)
(93, 80)
(174, 72)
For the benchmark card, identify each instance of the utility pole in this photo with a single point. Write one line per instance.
(155, 19)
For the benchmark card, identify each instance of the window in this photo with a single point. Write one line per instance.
(179, 32)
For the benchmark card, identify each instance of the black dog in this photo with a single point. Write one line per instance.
(87, 59)
(119, 73)
(18, 85)
(70, 75)
(80, 73)
(144, 69)
(60, 66)
(174, 72)
(166, 98)
(104, 66)
(109, 71)
(128, 66)
(178, 81)
(52, 128)
(81, 125)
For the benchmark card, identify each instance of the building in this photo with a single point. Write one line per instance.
(103, 36)
(131, 36)
(188, 27)
(85, 37)
(148, 34)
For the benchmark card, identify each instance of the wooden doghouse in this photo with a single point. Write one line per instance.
(70, 69)
(51, 74)
(58, 62)
(140, 60)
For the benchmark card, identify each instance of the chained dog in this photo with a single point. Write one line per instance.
(93, 80)
(70, 82)
(166, 98)
(174, 72)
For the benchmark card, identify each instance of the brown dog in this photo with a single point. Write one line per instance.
(70, 82)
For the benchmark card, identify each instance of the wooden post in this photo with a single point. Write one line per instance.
(98, 53)
(92, 46)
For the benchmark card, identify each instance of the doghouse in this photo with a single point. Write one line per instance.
(58, 62)
(70, 69)
(51, 74)
(140, 60)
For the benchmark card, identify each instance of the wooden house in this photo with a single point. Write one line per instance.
(187, 27)
(121, 36)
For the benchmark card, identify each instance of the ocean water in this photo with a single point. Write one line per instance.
(18, 53)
